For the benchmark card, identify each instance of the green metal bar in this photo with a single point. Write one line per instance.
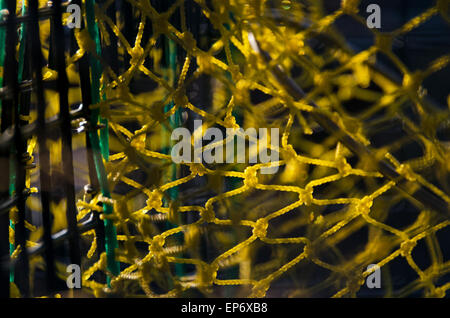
(100, 145)
(12, 168)
(4, 221)
(174, 120)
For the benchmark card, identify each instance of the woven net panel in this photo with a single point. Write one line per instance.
(226, 229)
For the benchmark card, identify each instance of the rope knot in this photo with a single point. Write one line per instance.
(230, 122)
(235, 72)
(407, 247)
(189, 41)
(208, 214)
(136, 54)
(154, 200)
(241, 94)
(204, 63)
(306, 196)
(156, 246)
(289, 153)
(198, 169)
(343, 166)
(308, 250)
(364, 205)
(260, 289)
(251, 180)
(180, 99)
(208, 273)
(260, 229)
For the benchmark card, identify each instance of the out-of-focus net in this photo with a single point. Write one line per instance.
(312, 228)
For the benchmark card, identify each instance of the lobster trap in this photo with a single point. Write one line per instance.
(88, 176)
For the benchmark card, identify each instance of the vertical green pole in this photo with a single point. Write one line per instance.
(174, 120)
(12, 173)
(100, 146)
(2, 62)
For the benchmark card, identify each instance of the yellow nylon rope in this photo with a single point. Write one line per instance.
(262, 209)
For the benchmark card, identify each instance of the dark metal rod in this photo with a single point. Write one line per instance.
(4, 256)
(86, 96)
(66, 134)
(5, 92)
(4, 217)
(7, 137)
(24, 86)
(21, 268)
(43, 13)
(60, 237)
(9, 202)
(6, 121)
(44, 155)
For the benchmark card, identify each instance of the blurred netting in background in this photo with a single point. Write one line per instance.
(87, 177)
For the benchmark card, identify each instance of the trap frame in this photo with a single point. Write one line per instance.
(156, 228)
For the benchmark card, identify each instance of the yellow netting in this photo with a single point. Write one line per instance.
(282, 234)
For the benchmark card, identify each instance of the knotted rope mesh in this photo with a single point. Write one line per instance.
(225, 229)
